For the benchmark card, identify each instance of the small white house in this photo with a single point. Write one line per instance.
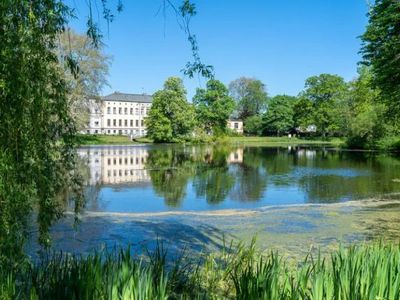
(236, 125)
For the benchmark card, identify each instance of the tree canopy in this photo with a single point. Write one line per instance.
(88, 76)
(250, 96)
(36, 129)
(381, 48)
(171, 117)
(279, 117)
(214, 106)
(325, 92)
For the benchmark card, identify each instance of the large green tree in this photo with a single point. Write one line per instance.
(381, 51)
(214, 106)
(279, 117)
(364, 114)
(36, 130)
(89, 75)
(171, 117)
(250, 96)
(326, 93)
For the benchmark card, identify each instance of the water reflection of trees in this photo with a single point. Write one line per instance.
(216, 173)
(170, 170)
(251, 179)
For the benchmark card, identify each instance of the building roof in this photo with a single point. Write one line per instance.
(116, 96)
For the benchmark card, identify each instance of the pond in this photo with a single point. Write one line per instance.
(200, 178)
(293, 198)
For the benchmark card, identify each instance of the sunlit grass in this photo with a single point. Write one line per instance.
(108, 140)
(241, 272)
(273, 140)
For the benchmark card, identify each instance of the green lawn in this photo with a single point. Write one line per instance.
(273, 140)
(108, 140)
(251, 140)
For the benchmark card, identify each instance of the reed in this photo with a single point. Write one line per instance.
(237, 272)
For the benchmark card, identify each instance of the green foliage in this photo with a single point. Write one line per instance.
(279, 117)
(363, 114)
(171, 117)
(88, 75)
(250, 96)
(37, 154)
(326, 92)
(253, 125)
(381, 48)
(213, 107)
(237, 272)
(303, 113)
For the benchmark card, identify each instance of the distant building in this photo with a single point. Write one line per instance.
(236, 125)
(119, 113)
(308, 129)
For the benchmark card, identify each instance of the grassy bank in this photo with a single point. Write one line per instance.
(269, 140)
(358, 272)
(108, 140)
(124, 140)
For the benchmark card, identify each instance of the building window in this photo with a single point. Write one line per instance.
(115, 131)
(109, 131)
(131, 111)
(137, 111)
(114, 123)
(120, 161)
(96, 123)
(126, 110)
(96, 131)
(115, 161)
(87, 131)
(131, 123)
(126, 123)
(119, 132)
(120, 110)
(137, 123)
(114, 110)
(131, 160)
(108, 122)
(120, 122)
(236, 125)
(109, 161)
(142, 123)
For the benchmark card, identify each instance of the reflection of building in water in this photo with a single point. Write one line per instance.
(235, 156)
(309, 153)
(116, 165)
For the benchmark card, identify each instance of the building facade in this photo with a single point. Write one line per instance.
(120, 114)
(124, 114)
(235, 125)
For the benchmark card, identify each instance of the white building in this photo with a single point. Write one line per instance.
(119, 113)
(235, 125)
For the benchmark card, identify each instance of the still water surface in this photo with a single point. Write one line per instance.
(134, 179)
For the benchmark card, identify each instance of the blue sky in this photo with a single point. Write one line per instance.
(279, 42)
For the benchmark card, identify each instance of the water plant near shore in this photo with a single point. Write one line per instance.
(357, 272)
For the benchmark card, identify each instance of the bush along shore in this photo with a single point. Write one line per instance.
(356, 272)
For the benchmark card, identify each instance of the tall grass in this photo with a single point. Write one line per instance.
(357, 272)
